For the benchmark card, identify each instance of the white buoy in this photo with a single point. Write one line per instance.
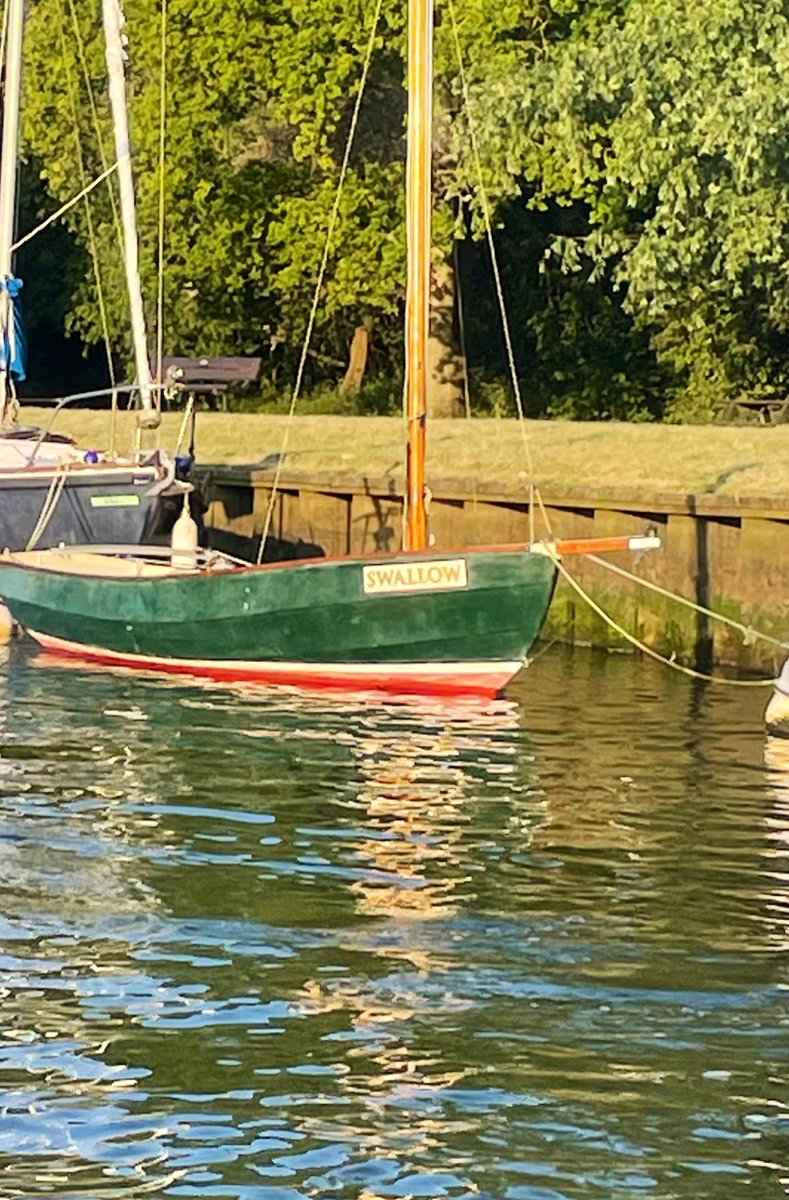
(184, 540)
(776, 718)
(7, 625)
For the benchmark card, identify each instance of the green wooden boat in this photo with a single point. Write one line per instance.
(450, 623)
(423, 620)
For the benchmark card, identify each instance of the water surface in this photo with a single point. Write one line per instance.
(257, 944)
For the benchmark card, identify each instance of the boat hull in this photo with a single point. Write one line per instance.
(103, 505)
(319, 623)
(422, 678)
(776, 717)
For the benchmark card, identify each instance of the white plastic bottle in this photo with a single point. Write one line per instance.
(184, 540)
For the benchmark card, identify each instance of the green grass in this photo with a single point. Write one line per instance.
(731, 461)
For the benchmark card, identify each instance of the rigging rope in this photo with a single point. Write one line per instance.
(64, 208)
(3, 34)
(50, 504)
(11, 404)
(94, 251)
(462, 331)
(105, 329)
(638, 643)
(96, 122)
(188, 410)
(534, 491)
(319, 281)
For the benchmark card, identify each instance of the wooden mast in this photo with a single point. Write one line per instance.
(418, 211)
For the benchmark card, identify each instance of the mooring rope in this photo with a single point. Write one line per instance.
(749, 633)
(319, 281)
(641, 645)
(534, 491)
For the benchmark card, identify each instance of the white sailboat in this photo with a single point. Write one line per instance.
(51, 491)
(776, 716)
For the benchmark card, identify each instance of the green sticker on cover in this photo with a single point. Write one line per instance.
(114, 501)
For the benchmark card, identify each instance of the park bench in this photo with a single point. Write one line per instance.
(768, 410)
(211, 378)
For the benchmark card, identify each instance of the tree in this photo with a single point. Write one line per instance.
(259, 105)
(257, 96)
(666, 121)
(633, 155)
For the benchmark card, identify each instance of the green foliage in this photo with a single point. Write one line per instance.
(259, 104)
(381, 397)
(578, 352)
(367, 253)
(667, 122)
(256, 99)
(633, 155)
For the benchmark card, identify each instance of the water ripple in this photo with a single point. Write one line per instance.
(260, 944)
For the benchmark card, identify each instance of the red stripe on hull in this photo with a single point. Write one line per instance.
(418, 680)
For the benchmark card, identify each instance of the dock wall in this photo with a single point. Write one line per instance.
(727, 554)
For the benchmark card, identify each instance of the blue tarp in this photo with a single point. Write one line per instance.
(13, 344)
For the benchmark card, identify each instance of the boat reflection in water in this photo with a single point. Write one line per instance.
(75, 908)
(417, 774)
(276, 943)
(436, 786)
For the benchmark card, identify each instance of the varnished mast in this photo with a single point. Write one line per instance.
(418, 210)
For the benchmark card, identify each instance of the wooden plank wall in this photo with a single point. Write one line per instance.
(732, 557)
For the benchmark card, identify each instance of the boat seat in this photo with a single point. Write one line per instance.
(81, 562)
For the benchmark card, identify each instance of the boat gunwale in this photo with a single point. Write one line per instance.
(286, 564)
(80, 469)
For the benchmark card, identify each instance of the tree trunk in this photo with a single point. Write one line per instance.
(357, 361)
(446, 366)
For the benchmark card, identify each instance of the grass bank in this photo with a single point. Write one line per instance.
(732, 461)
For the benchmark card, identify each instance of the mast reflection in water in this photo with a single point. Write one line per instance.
(258, 944)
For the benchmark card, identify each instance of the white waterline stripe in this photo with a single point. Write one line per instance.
(404, 670)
